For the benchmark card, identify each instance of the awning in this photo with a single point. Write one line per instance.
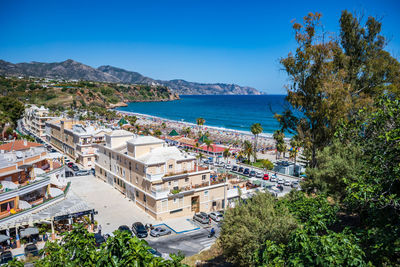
(29, 231)
(59, 182)
(23, 205)
(55, 192)
(9, 185)
(4, 238)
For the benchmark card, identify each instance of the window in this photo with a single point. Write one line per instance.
(137, 180)
(170, 166)
(214, 203)
(169, 183)
(115, 180)
(175, 200)
(203, 177)
(101, 171)
(130, 166)
(186, 180)
(136, 166)
(144, 197)
(205, 193)
(137, 193)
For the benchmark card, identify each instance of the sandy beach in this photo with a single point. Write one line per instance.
(229, 137)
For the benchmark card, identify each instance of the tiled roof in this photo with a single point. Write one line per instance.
(18, 145)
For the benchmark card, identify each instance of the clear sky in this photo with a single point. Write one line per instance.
(202, 41)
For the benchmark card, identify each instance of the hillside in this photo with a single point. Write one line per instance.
(72, 70)
(61, 95)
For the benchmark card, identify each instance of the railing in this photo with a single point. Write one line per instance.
(160, 193)
(24, 189)
(154, 177)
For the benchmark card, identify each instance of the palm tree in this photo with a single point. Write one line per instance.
(248, 149)
(209, 145)
(278, 137)
(163, 125)
(226, 154)
(295, 144)
(187, 131)
(197, 145)
(256, 129)
(157, 133)
(146, 131)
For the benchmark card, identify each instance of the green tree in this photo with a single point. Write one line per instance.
(209, 145)
(11, 109)
(247, 226)
(256, 129)
(247, 149)
(226, 154)
(280, 142)
(267, 164)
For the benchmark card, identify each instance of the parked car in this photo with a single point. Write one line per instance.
(99, 239)
(160, 231)
(259, 175)
(252, 174)
(241, 169)
(201, 217)
(5, 257)
(286, 183)
(31, 249)
(281, 181)
(75, 168)
(82, 173)
(139, 230)
(69, 174)
(70, 164)
(272, 179)
(53, 150)
(123, 228)
(154, 252)
(295, 184)
(234, 168)
(266, 177)
(246, 171)
(216, 216)
(228, 166)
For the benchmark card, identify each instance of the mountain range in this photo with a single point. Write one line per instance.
(72, 70)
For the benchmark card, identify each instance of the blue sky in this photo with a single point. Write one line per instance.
(203, 41)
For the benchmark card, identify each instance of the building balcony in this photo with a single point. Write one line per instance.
(24, 189)
(154, 177)
(159, 193)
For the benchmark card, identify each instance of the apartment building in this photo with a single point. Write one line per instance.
(27, 176)
(76, 139)
(35, 119)
(160, 179)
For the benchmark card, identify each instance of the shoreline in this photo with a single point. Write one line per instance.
(220, 135)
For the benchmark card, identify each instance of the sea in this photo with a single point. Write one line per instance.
(237, 112)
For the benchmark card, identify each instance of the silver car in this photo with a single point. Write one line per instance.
(259, 175)
(286, 183)
(160, 231)
(216, 216)
(280, 181)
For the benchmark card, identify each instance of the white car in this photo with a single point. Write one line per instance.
(272, 179)
(281, 181)
(228, 166)
(259, 175)
(216, 216)
(286, 183)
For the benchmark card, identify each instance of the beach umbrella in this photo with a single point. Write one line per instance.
(29, 231)
(8, 206)
(55, 192)
(23, 205)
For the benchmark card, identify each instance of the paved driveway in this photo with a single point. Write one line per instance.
(114, 209)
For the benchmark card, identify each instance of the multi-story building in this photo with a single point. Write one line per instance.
(35, 119)
(23, 176)
(76, 139)
(160, 179)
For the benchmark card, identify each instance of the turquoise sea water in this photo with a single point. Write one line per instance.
(228, 111)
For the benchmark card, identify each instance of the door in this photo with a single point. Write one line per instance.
(195, 204)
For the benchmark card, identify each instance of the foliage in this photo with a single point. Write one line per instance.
(247, 149)
(267, 164)
(78, 249)
(331, 79)
(11, 110)
(256, 129)
(247, 226)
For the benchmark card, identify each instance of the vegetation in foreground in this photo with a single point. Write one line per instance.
(345, 113)
(78, 248)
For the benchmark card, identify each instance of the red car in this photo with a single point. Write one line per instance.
(266, 177)
(70, 164)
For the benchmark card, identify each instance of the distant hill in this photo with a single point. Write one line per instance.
(72, 70)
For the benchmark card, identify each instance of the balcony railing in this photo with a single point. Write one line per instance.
(159, 193)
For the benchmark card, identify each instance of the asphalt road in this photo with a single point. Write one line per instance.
(189, 243)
